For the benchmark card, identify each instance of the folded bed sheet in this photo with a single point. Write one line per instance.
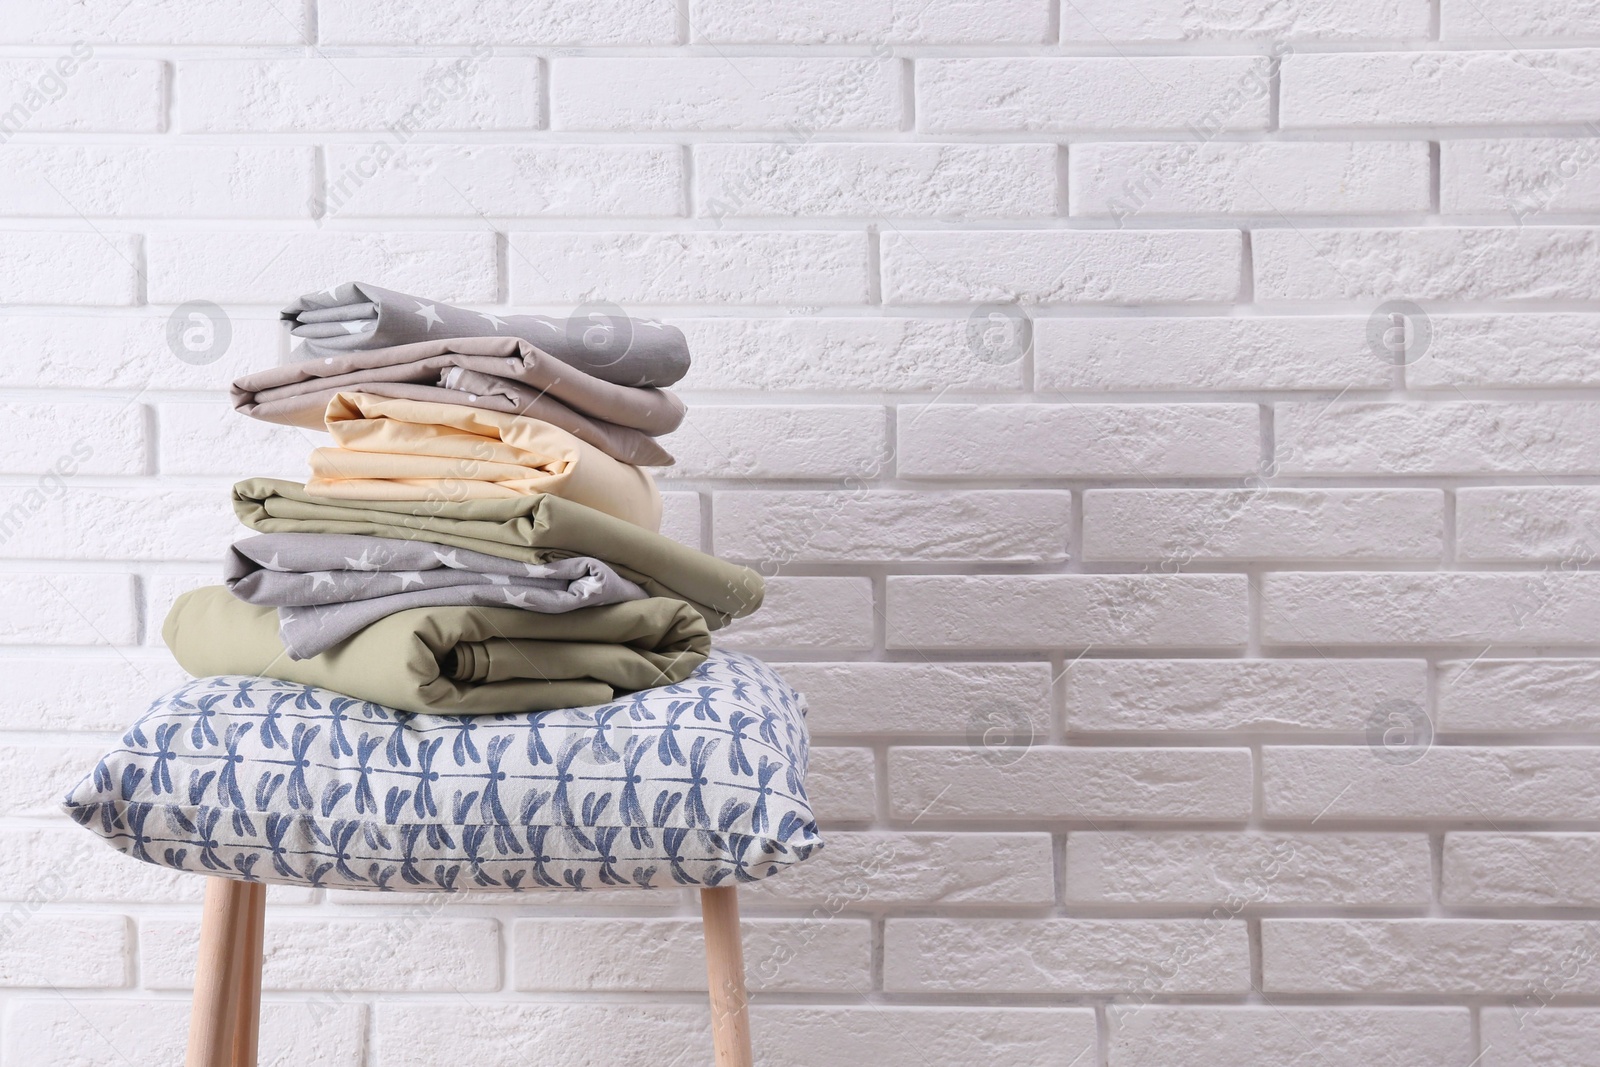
(502, 374)
(454, 660)
(328, 586)
(615, 348)
(392, 449)
(532, 529)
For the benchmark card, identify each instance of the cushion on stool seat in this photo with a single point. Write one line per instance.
(698, 783)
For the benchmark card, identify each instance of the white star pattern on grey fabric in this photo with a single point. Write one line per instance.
(535, 570)
(332, 291)
(363, 563)
(273, 564)
(498, 579)
(408, 578)
(518, 600)
(430, 313)
(653, 324)
(320, 578)
(449, 559)
(493, 320)
(355, 325)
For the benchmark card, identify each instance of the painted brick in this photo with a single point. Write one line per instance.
(921, 698)
(842, 785)
(1164, 93)
(1071, 956)
(746, 93)
(212, 439)
(949, 181)
(1521, 177)
(572, 1034)
(1077, 440)
(842, 355)
(246, 268)
(680, 518)
(1237, 871)
(1067, 610)
(1445, 782)
(1438, 956)
(45, 948)
(55, 864)
(765, 441)
(861, 526)
(807, 613)
(151, 524)
(817, 954)
(1202, 354)
(155, 22)
(463, 955)
(1268, 694)
(889, 21)
(68, 268)
(896, 1036)
(1530, 1032)
(922, 870)
(1151, 1035)
(1507, 350)
(75, 91)
(1513, 87)
(1127, 179)
(1430, 608)
(1532, 437)
(101, 437)
(504, 181)
(1508, 694)
(42, 773)
(558, 22)
(1329, 20)
(161, 589)
(1521, 870)
(1554, 524)
(466, 92)
(125, 352)
(191, 181)
(1048, 782)
(83, 1033)
(1178, 526)
(1495, 20)
(1437, 263)
(97, 691)
(1061, 266)
(658, 268)
(67, 609)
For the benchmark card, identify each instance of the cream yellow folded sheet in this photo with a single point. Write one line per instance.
(395, 449)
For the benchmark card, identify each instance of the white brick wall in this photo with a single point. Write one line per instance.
(1171, 430)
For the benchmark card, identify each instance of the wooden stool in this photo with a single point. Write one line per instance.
(224, 1027)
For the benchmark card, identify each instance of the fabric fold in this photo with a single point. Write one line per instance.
(502, 374)
(454, 660)
(393, 449)
(328, 586)
(533, 529)
(612, 347)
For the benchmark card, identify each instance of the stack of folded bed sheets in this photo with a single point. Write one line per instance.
(480, 537)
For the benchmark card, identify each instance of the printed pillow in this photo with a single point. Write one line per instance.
(700, 783)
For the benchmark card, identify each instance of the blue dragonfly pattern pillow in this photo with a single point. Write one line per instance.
(696, 784)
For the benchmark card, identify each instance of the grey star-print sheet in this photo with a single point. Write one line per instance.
(327, 587)
(612, 347)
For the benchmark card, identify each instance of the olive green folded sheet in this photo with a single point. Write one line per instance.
(454, 660)
(534, 529)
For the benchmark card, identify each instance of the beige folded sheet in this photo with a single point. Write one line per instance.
(388, 448)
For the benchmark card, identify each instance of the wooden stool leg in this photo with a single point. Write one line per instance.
(247, 980)
(211, 1022)
(730, 1004)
